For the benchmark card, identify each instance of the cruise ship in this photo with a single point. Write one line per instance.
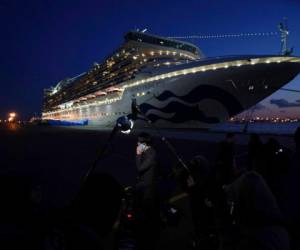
(172, 81)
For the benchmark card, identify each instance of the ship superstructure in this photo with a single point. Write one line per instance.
(171, 80)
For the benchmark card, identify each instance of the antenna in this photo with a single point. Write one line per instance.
(284, 32)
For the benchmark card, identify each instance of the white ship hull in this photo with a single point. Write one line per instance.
(196, 95)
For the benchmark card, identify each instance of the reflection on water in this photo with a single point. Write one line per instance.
(288, 128)
(13, 126)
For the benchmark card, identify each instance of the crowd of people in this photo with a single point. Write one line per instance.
(234, 204)
(243, 205)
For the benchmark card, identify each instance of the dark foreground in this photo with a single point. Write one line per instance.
(53, 162)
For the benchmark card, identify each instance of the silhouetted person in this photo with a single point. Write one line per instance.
(256, 214)
(254, 150)
(273, 166)
(199, 195)
(20, 226)
(297, 138)
(225, 160)
(90, 218)
(292, 184)
(146, 191)
(207, 201)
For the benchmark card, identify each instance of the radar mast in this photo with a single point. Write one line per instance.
(284, 32)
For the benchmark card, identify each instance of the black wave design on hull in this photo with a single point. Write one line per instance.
(185, 113)
(182, 112)
(207, 92)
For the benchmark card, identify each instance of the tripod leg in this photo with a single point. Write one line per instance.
(101, 154)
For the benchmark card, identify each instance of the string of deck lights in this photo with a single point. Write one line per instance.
(110, 62)
(225, 35)
(174, 74)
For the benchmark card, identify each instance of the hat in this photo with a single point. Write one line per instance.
(145, 138)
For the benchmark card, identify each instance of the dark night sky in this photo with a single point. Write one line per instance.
(45, 41)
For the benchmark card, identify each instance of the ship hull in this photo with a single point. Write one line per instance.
(192, 100)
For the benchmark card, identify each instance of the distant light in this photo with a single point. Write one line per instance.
(12, 114)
